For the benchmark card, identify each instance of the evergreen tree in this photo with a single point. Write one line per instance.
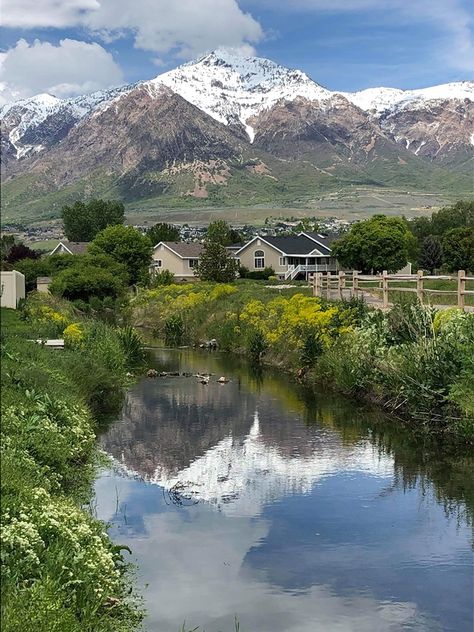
(431, 254)
(216, 264)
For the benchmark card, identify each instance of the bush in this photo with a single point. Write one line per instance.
(256, 275)
(256, 346)
(164, 277)
(174, 330)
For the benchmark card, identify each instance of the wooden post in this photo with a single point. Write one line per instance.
(419, 286)
(461, 288)
(384, 289)
(341, 283)
(317, 284)
(355, 284)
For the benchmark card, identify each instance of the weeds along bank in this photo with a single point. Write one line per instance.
(413, 360)
(60, 570)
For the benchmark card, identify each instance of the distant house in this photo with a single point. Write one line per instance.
(178, 257)
(70, 248)
(291, 257)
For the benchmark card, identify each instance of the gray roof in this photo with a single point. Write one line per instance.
(325, 240)
(292, 245)
(185, 250)
(76, 247)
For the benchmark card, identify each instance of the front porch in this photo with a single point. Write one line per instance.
(302, 267)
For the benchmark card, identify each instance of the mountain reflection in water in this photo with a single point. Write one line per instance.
(294, 511)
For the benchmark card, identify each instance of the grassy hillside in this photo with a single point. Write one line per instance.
(274, 183)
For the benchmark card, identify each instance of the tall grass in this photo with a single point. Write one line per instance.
(60, 570)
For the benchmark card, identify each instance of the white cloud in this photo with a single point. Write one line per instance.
(71, 68)
(185, 27)
(45, 13)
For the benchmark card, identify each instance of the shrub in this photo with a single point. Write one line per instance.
(311, 349)
(256, 346)
(132, 345)
(174, 330)
(164, 277)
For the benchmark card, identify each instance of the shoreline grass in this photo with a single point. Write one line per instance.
(60, 570)
(413, 361)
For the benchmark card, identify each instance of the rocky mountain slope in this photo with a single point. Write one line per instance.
(234, 128)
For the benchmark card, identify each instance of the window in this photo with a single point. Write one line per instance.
(282, 261)
(158, 263)
(192, 263)
(259, 259)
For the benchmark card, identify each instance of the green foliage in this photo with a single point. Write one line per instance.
(376, 244)
(164, 277)
(216, 264)
(460, 215)
(262, 275)
(256, 346)
(220, 232)
(60, 570)
(311, 349)
(174, 330)
(132, 345)
(431, 253)
(458, 249)
(162, 232)
(127, 246)
(83, 220)
(32, 269)
(82, 282)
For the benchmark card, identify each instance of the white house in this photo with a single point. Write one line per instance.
(291, 257)
(12, 288)
(70, 248)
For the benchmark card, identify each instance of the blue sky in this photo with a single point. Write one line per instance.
(75, 46)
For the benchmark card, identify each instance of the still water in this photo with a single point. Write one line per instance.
(293, 510)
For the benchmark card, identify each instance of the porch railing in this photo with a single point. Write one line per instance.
(293, 271)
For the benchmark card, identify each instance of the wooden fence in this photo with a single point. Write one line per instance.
(347, 284)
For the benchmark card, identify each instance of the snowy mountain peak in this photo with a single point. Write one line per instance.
(380, 100)
(233, 88)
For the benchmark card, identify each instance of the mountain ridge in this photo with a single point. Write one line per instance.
(250, 130)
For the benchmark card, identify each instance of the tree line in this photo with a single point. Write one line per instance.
(443, 241)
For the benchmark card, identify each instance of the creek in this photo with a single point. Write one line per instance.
(293, 510)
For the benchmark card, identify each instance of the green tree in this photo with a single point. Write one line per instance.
(431, 253)
(376, 244)
(83, 220)
(32, 269)
(126, 245)
(162, 232)
(459, 215)
(220, 232)
(82, 282)
(216, 264)
(458, 249)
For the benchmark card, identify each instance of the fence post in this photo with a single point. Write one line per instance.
(384, 289)
(355, 283)
(419, 286)
(461, 288)
(317, 283)
(342, 283)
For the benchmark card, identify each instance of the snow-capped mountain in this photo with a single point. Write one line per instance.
(248, 114)
(232, 89)
(379, 101)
